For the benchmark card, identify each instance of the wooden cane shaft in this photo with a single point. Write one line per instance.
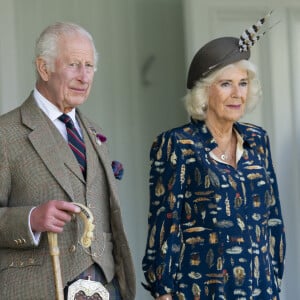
(86, 241)
(54, 252)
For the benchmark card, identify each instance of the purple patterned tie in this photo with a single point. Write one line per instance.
(75, 142)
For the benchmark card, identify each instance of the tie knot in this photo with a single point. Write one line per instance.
(66, 119)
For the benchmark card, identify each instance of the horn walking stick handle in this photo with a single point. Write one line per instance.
(86, 241)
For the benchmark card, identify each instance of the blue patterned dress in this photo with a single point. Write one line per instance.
(215, 231)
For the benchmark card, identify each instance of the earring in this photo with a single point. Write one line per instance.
(204, 106)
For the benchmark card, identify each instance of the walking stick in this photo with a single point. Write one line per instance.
(86, 241)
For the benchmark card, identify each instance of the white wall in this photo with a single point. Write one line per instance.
(137, 89)
(277, 56)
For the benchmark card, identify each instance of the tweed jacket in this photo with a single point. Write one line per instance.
(215, 231)
(35, 168)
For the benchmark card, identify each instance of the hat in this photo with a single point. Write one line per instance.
(223, 51)
(214, 55)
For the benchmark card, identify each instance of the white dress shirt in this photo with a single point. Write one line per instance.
(52, 112)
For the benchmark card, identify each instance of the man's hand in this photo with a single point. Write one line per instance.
(52, 216)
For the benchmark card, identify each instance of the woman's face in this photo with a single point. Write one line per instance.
(228, 95)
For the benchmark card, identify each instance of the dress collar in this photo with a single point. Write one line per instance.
(209, 142)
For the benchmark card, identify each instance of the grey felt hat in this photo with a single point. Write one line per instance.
(214, 55)
(223, 51)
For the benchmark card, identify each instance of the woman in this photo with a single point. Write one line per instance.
(215, 224)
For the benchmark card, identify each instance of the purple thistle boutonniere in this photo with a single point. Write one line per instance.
(118, 169)
(100, 138)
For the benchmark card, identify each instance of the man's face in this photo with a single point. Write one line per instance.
(70, 83)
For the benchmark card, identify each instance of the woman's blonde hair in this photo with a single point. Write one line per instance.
(196, 99)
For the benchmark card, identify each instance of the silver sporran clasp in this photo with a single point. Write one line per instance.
(83, 289)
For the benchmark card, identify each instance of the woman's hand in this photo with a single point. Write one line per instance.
(165, 297)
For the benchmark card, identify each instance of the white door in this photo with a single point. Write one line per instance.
(277, 55)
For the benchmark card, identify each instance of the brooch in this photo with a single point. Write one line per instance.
(100, 138)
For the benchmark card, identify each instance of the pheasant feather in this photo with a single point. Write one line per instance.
(251, 35)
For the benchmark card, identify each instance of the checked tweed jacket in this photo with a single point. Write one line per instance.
(36, 165)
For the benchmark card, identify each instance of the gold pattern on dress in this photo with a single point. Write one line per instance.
(152, 237)
(159, 154)
(174, 228)
(196, 291)
(239, 275)
(187, 152)
(281, 250)
(207, 182)
(195, 275)
(171, 200)
(206, 290)
(219, 263)
(253, 176)
(182, 174)
(197, 176)
(227, 207)
(159, 189)
(201, 199)
(186, 142)
(256, 268)
(173, 158)
(171, 182)
(196, 229)
(195, 259)
(232, 182)
(238, 201)
(195, 240)
(162, 234)
(169, 147)
(213, 238)
(257, 232)
(210, 257)
(188, 210)
(240, 222)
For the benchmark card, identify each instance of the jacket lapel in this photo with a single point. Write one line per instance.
(45, 144)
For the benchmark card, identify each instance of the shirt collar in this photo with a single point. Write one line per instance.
(49, 108)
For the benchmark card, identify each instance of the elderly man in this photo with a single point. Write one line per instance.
(51, 156)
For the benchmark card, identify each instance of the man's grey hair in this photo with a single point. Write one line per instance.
(46, 46)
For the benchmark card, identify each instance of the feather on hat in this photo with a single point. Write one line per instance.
(223, 51)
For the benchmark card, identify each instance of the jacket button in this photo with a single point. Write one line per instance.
(31, 261)
(72, 248)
